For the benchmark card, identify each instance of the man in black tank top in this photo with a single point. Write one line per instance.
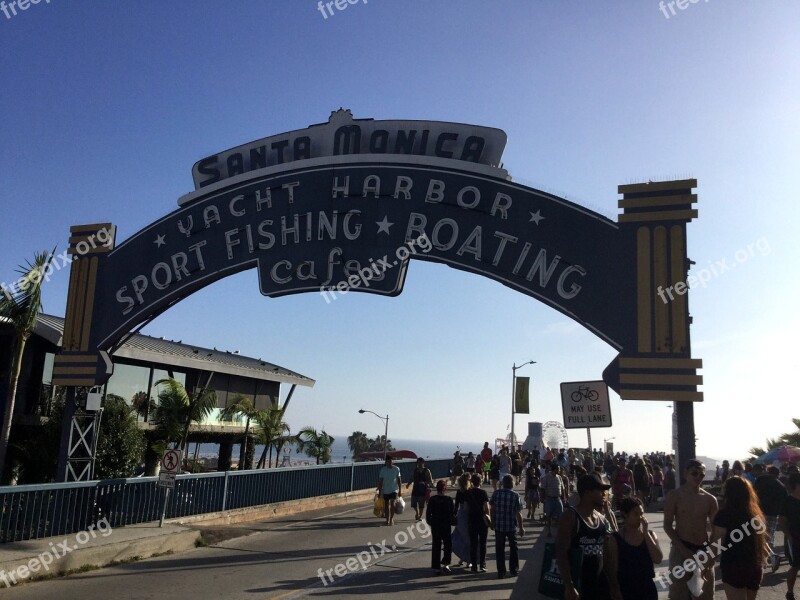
(584, 530)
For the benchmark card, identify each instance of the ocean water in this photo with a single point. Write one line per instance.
(341, 453)
(424, 448)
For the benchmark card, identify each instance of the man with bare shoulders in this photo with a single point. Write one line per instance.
(692, 510)
(583, 527)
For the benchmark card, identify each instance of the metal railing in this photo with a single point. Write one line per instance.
(53, 509)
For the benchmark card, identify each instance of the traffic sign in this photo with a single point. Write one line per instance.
(166, 480)
(171, 462)
(585, 404)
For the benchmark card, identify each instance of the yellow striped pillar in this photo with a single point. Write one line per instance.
(659, 366)
(76, 365)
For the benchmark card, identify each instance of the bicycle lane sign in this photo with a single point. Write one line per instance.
(585, 404)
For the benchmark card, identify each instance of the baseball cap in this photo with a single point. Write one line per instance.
(587, 483)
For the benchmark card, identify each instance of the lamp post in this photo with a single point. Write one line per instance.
(605, 444)
(514, 368)
(386, 430)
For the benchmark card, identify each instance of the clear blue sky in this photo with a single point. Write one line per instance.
(104, 107)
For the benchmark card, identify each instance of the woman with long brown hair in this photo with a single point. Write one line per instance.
(742, 527)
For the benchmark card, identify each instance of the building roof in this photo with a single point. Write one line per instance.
(177, 354)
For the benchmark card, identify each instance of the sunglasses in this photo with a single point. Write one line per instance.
(696, 474)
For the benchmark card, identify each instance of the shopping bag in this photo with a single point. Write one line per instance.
(377, 509)
(695, 583)
(399, 506)
(550, 583)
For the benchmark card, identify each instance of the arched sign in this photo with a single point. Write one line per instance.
(345, 205)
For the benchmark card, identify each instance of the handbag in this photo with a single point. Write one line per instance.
(377, 508)
(550, 583)
(427, 494)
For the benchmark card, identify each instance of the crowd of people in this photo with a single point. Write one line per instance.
(595, 503)
(754, 502)
(473, 512)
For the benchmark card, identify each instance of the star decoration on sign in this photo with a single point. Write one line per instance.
(159, 241)
(536, 217)
(383, 226)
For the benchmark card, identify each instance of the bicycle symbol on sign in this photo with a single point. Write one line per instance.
(584, 392)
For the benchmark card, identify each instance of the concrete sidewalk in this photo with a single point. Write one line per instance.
(104, 546)
(22, 561)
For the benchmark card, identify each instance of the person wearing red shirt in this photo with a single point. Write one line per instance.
(486, 455)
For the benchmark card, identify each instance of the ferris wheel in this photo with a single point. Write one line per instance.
(554, 435)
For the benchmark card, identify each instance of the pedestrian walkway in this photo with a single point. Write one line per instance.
(773, 585)
(20, 561)
(284, 555)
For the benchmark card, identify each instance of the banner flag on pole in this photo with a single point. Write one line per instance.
(521, 395)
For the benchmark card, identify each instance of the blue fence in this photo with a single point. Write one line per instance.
(52, 509)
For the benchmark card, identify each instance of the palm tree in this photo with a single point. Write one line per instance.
(177, 410)
(358, 443)
(793, 438)
(273, 433)
(21, 310)
(168, 418)
(142, 404)
(787, 439)
(377, 444)
(281, 441)
(315, 444)
(242, 406)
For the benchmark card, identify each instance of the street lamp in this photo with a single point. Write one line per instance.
(514, 368)
(386, 430)
(605, 444)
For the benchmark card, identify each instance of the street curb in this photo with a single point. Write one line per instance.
(271, 511)
(527, 583)
(99, 553)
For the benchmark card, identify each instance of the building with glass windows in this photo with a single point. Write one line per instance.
(138, 365)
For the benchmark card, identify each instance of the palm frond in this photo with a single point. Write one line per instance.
(240, 405)
(201, 404)
(174, 388)
(23, 304)
(177, 410)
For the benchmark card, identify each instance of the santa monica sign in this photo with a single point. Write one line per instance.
(311, 209)
(342, 135)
